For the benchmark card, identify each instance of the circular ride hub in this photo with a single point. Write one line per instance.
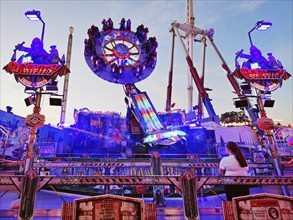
(120, 55)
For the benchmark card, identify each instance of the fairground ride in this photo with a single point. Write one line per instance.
(122, 56)
(265, 75)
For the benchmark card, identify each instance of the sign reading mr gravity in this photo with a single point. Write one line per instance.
(265, 74)
(37, 68)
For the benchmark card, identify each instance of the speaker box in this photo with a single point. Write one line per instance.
(29, 101)
(269, 103)
(55, 101)
(241, 103)
(245, 87)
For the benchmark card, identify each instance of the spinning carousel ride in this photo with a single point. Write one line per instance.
(122, 56)
(119, 55)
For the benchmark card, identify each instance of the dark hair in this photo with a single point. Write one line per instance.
(233, 147)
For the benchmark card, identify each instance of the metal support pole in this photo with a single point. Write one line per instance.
(30, 150)
(194, 75)
(34, 121)
(43, 30)
(158, 189)
(189, 41)
(200, 106)
(188, 187)
(66, 79)
(7, 135)
(234, 83)
(250, 40)
(271, 144)
(197, 80)
(170, 80)
(29, 184)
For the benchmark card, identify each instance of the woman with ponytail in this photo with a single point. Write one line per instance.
(234, 165)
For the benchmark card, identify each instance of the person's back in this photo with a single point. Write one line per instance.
(234, 165)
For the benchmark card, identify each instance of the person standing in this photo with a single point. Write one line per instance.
(234, 165)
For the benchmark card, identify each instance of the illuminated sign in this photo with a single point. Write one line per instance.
(35, 75)
(32, 69)
(265, 124)
(257, 74)
(37, 68)
(263, 79)
(35, 120)
(265, 74)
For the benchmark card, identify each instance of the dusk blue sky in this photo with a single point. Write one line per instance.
(231, 21)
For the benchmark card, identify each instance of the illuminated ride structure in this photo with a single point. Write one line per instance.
(192, 33)
(121, 56)
(124, 57)
(265, 75)
(37, 69)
